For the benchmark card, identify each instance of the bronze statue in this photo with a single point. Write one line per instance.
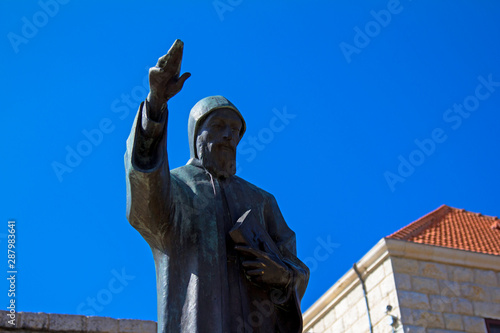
(225, 258)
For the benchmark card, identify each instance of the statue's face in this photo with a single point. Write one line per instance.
(216, 142)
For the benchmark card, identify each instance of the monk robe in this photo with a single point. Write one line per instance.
(185, 215)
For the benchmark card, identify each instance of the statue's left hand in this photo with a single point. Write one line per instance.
(263, 267)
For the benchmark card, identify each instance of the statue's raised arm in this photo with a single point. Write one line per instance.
(146, 160)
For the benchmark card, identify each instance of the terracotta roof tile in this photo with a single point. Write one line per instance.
(454, 228)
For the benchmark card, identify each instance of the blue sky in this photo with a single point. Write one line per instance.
(360, 119)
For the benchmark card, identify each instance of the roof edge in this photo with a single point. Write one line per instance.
(423, 223)
(440, 254)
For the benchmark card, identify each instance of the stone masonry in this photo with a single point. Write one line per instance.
(350, 314)
(443, 298)
(29, 322)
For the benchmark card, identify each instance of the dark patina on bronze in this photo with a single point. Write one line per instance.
(225, 258)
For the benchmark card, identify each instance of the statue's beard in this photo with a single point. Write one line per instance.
(219, 159)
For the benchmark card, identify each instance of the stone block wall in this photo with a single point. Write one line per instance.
(29, 322)
(445, 298)
(349, 313)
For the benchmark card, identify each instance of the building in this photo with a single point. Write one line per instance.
(439, 274)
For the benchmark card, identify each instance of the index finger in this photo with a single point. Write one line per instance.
(172, 60)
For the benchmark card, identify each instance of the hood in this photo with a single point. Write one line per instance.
(201, 110)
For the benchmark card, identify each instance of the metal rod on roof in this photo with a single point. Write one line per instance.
(364, 293)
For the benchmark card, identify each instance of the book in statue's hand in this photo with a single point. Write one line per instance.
(249, 232)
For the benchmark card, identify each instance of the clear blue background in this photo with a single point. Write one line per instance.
(326, 166)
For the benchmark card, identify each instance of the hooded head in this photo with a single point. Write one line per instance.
(202, 111)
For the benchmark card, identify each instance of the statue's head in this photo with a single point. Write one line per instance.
(215, 128)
